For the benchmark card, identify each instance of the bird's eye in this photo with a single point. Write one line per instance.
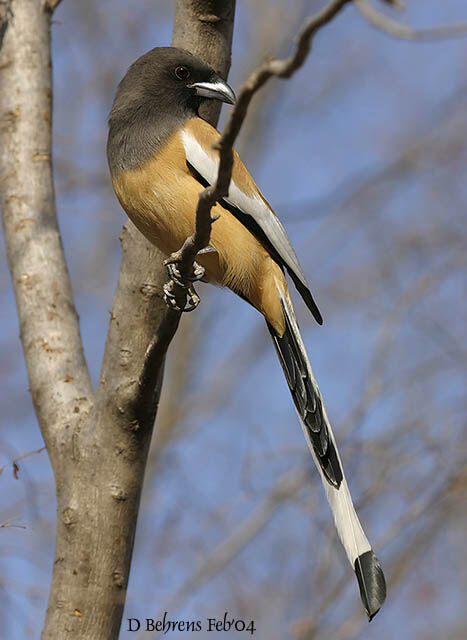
(182, 73)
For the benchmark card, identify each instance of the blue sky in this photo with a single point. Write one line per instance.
(369, 232)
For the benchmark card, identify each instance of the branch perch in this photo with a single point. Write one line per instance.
(284, 68)
(177, 289)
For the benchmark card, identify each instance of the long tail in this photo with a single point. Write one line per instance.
(318, 433)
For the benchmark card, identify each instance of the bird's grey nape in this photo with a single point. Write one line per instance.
(135, 136)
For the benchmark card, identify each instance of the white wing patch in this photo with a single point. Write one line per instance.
(207, 165)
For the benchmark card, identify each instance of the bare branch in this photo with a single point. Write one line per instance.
(21, 457)
(280, 68)
(400, 30)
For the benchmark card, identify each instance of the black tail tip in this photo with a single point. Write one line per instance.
(371, 581)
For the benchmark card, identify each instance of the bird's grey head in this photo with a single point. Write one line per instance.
(160, 90)
(170, 79)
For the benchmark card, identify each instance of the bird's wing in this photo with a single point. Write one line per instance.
(244, 200)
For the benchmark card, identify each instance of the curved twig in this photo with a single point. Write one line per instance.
(284, 68)
(400, 30)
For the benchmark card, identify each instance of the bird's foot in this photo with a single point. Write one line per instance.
(179, 279)
(186, 299)
(192, 299)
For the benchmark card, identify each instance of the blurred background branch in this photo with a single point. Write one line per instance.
(400, 30)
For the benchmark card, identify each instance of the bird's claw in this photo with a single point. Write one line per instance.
(198, 272)
(170, 299)
(176, 276)
(176, 279)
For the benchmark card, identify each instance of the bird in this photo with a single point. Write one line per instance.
(161, 155)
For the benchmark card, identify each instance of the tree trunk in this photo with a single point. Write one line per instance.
(97, 442)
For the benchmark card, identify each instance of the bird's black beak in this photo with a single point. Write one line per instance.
(216, 89)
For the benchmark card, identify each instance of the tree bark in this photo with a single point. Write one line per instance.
(97, 442)
(58, 376)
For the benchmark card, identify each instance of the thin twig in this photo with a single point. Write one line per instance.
(21, 457)
(400, 30)
(284, 68)
(8, 524)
